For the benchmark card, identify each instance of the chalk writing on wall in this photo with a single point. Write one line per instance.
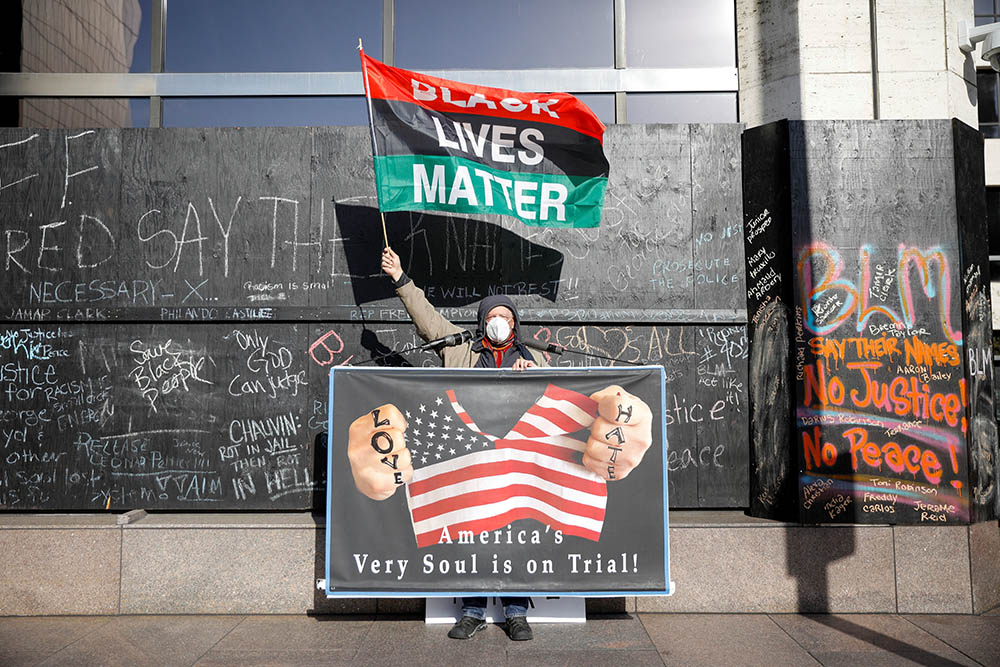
(169, 324)
(145, 419)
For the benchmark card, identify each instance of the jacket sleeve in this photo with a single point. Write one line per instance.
(539, 357)
(429, 322)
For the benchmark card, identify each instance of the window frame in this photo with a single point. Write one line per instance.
(619, 80)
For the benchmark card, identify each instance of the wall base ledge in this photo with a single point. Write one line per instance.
(267, 563)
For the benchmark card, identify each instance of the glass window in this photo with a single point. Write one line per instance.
(263, 111)
(139, 106)
(602, 104)
(61, 36)
(985, 6)
(504, 34)
(681, 107)
(989, 110)
(78, 112)
(986, 11)
(680, 33)
(269, 36)
(10, 36)
(993, 223)
(142, 53)
(10, 111)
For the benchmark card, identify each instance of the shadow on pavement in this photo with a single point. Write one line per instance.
(884, 642)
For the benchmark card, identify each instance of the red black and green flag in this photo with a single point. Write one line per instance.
(442, 145)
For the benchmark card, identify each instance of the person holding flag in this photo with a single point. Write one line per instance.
(447, 146)
(496, 344)
(497, 341)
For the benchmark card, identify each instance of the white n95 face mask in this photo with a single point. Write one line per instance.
(497, 330)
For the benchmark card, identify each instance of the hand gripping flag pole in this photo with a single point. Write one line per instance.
(371, 126)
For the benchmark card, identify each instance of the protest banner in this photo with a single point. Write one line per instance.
(496, 481)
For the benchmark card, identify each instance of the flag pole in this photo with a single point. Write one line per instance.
(371, 126)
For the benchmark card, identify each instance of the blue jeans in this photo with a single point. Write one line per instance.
(476, 607)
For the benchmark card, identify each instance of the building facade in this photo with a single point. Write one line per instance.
(701, 68)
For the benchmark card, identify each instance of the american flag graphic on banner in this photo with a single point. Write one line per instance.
(466, 480)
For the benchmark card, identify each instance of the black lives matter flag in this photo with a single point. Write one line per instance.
(499, 499)
(442, 145)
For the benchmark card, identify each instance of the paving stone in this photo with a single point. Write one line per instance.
(620, 634)
(875, 636)
(146, 640)
(719, 639)
(172, 639)
(413, 642)
(649, 639)
(900, 658)
(397, 637)
(296, 633)
(303, 658)
(594, 658)
(105, 650)
(15, 658)
(447, 652)
(44, 634)
(975, 636)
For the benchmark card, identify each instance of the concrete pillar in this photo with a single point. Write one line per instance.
(813, 60)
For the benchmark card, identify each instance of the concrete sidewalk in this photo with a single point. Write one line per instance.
(628, 639)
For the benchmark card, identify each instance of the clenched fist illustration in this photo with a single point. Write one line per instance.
(620, 435)
(380, 461)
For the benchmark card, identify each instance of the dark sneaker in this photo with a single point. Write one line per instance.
(466, 627)
(518, 629)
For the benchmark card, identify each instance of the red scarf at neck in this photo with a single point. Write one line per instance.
(498, 350)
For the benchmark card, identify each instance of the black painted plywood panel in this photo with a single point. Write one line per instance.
(181, 294)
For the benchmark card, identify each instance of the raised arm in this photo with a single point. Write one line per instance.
(429, 322)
